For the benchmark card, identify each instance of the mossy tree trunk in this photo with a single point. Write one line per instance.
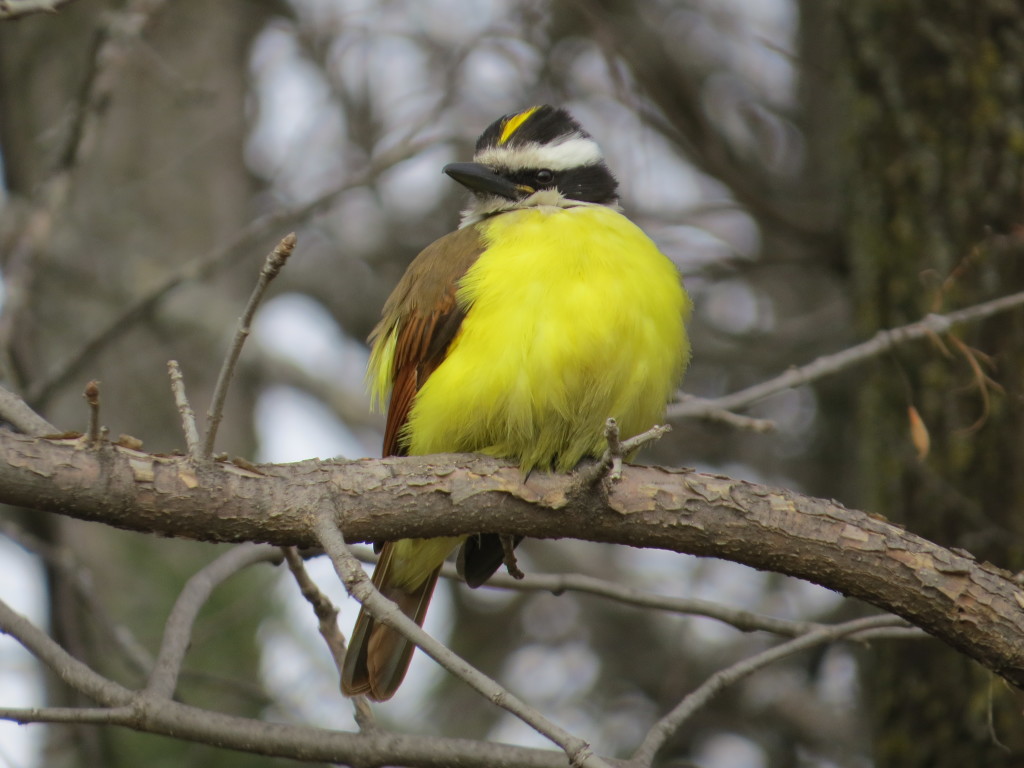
(934, 222)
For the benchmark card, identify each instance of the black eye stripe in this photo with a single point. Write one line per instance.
(588, 183)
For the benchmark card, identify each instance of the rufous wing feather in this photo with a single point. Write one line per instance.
(378, 657)
(425, 314)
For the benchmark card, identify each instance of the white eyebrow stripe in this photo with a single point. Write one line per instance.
(574, 152)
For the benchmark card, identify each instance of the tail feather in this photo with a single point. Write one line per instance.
(378, 657)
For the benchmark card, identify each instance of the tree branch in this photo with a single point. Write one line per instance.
(668, 725)
(178, 631)
(975, 607)
(881, 342)
(383, 610)
(12, 9)
(327, 621)
(205, 266)
(15, 412)
(308, 744)
(272, 265)
(559, 583)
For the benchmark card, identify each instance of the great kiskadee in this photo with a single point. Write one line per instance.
(517, 336)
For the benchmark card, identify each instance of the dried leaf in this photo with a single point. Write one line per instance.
(918, 433)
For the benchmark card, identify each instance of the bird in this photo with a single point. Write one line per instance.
(517, 336)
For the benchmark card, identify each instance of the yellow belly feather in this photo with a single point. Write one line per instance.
(574, 316)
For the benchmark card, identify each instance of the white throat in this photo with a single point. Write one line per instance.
(480, 208)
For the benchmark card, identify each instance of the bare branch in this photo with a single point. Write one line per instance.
(674, 720)
(178, 631)
(706, 408)
(827, 365)
(69, 669)
(170, 718)
(271, 267)
(92, 398)
(151, 714)
(637, 442)
(452, 495)
(559, 583)
(317, 745)
(207, 265)
(745, 621)
(188, 417)
(15, 412)
(12, 9)
(383, 610)
(327, 618)
(326, 613)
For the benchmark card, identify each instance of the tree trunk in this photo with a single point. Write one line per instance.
(122, 127)
(936, 144)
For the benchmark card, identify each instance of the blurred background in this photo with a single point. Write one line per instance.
(817, 171)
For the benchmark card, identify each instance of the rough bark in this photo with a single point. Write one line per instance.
(974, 607)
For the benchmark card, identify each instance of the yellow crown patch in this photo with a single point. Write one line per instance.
(511, 125)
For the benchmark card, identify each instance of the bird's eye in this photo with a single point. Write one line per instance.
(544, 176)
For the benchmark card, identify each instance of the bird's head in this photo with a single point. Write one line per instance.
(540, 156)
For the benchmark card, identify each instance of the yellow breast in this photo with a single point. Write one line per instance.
(573, 316)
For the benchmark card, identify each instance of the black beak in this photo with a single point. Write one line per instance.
(480, 179)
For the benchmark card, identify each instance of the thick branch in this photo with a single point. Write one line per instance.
(974, 607)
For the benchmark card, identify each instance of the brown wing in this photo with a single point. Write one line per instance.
(424, 312)
(427, 317)
(422, 344)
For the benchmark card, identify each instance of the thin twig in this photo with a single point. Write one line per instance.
(15, 412)
(559, 583)
(121, 32)
(327, 617)
(205, 266)
(880, 343)
(383, 610)
(652, 435)
(722, 416)
(116, 35)
(668, 725)
(272, 265)
(188, 417)
(92, 397)
(990, 720)
(611, 462)
(197, 590)
(70, 670)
